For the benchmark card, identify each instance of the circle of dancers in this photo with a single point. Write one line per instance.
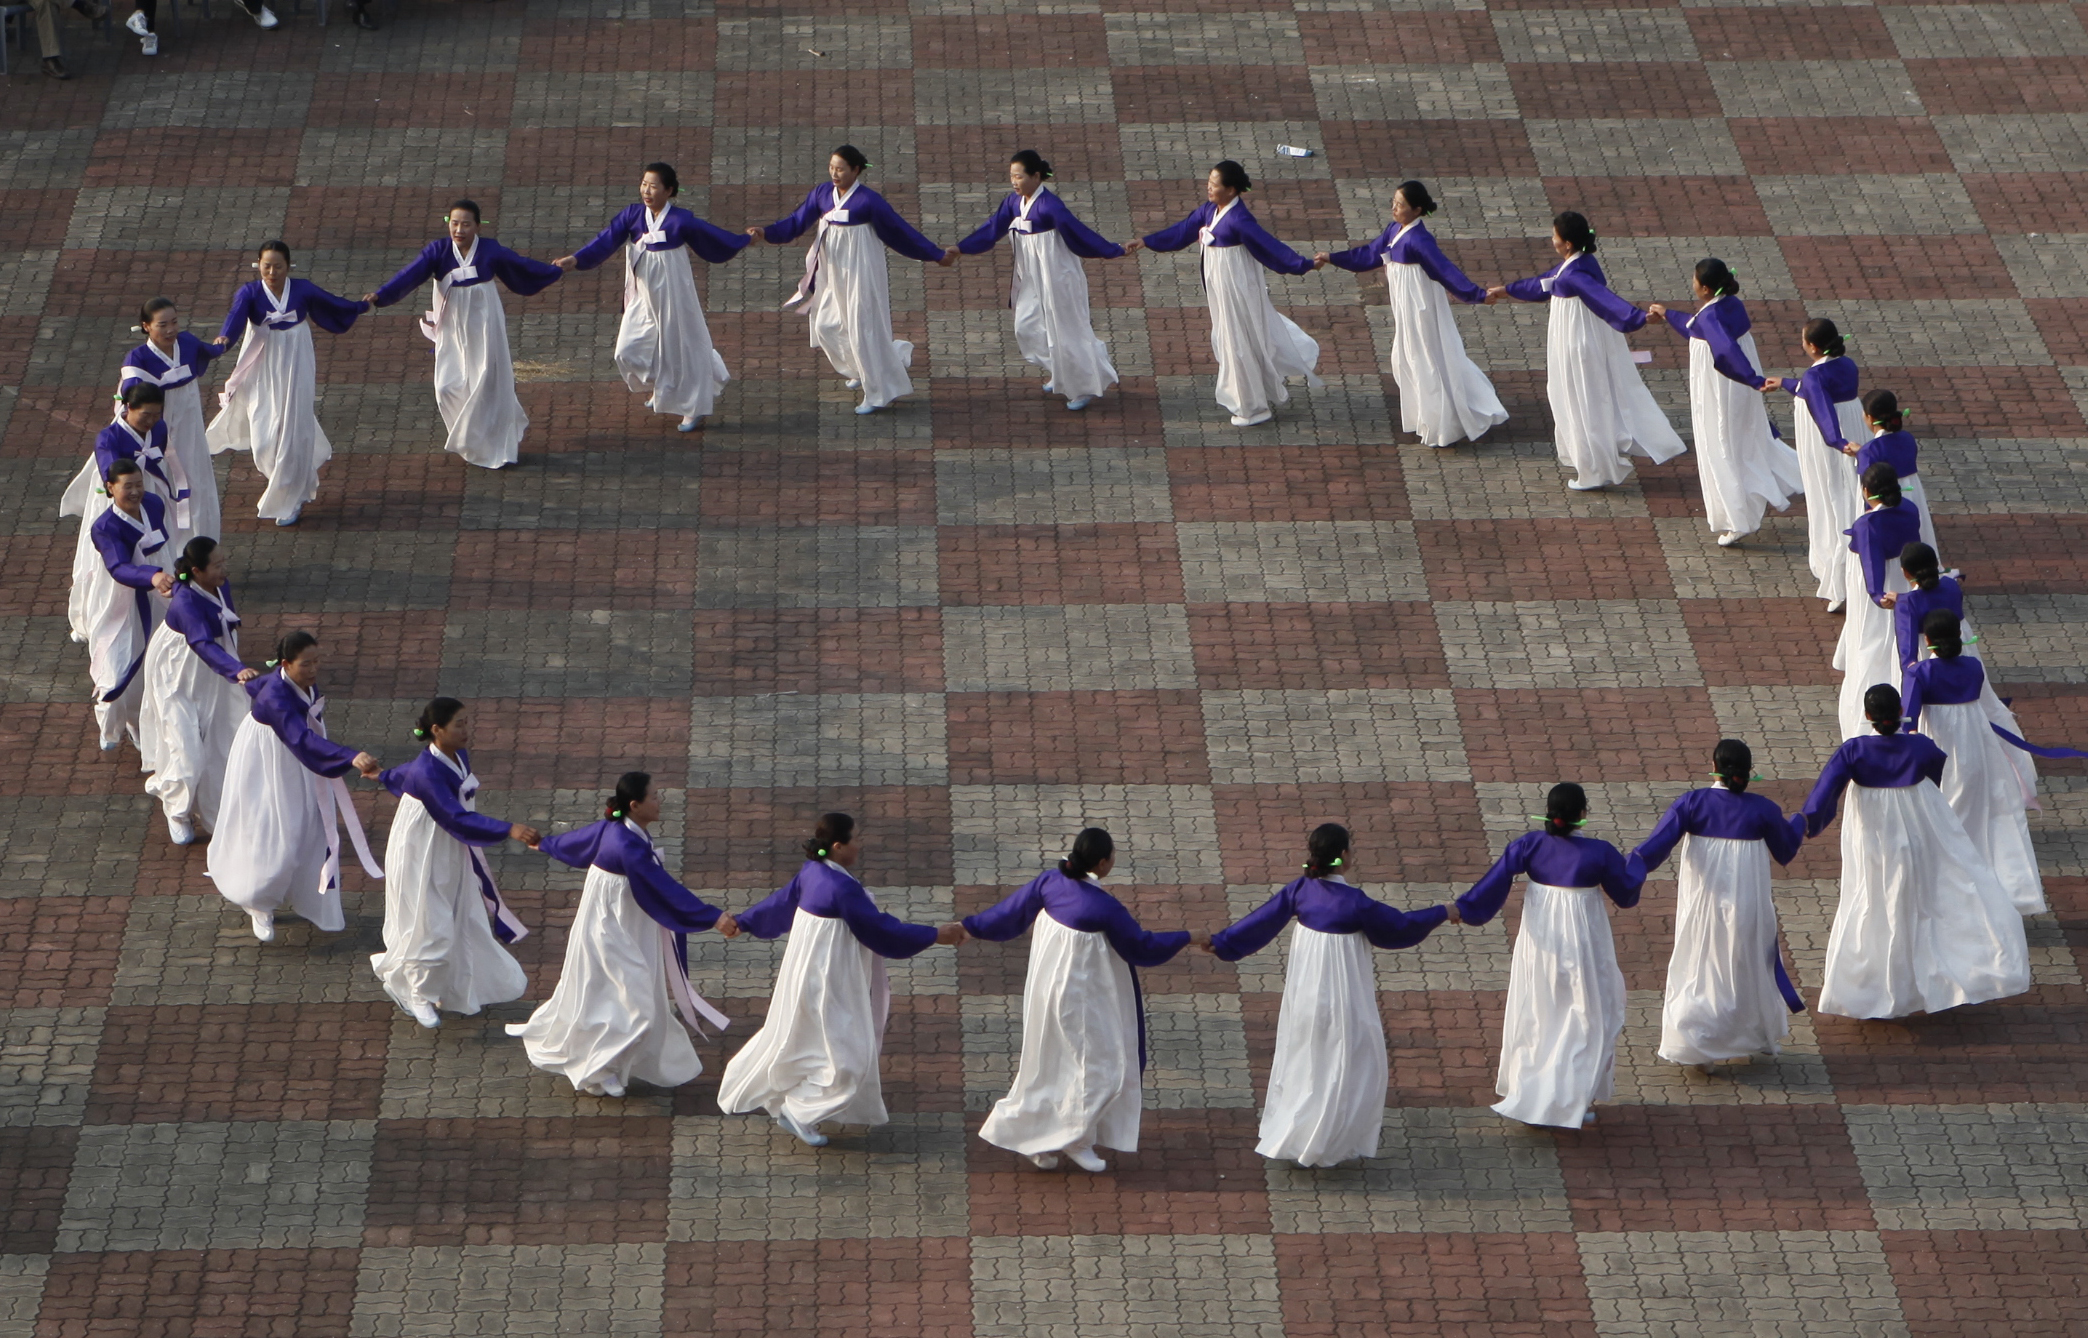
(1933, 782)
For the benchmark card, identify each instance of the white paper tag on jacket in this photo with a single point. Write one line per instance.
(1642, 356)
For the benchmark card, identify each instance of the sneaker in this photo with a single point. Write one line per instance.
(1579, 486)
(136, 22)
(1256, 421)
(1086, 1160)
(1728, 539)
(1044, 1161)
(181, 831)
(1837, 605)
(811, 1138)
(148, 45)
(264, 925)
(424, 1013)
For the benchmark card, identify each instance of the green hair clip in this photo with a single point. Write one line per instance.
(1545, 817)
(419, 733)
(271, 664)
(820, 854)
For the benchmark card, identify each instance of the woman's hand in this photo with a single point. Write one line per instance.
(950, 935)
(370, 298)
(163, 583)
(1202, 943)
(1771, 383)
(726, 926)
(221, 341)
(528, 836)
(755, 236)
(1319, 262)
(1656, 311)
(1888, 599)
(247, 676)
(1495, 294)
(567, 263)
(949, 256)
(1454, 917)
(366, 766)
(1134, 246)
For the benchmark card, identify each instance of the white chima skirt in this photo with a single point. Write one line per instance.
(663, 347)
(275, 827)
(439, 946)
(1833, 499)
(851, 311)
(269, 409)
(1923, 924)
(1744, 469)
(1565, 1008)
(1722, 1000)
(1078, 1082)
(1867, 651)
(1601, 408)
(610, 1019)
(187, 720)
(1983, 786)
(816, 1054)
(1054, 328)
(1443, 396)
(475, 376)
(1256, 345)
(1326, 1101)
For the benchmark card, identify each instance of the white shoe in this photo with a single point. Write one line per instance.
(265, 17)
(1256, 421)
(611, 1087)
(1587, 1119)
(1086, 1160)
(424, 1013)
(1049, 387)
(264, 925)
(1728, 539)
(690, 424)
(181, 831)
(1579, 486)
(111, 745)
(148, 45)
(811, 1138)
(1837, 605)
(852, 385)
(1083, 402)
(866, 407)
(1044, 1161)
(136, 22)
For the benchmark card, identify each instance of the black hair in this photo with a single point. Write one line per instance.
(143, 392)
(1574, 228)
(1883, 408)
(1417, 197)
(1033, 163)
(195, 556)
(1717, 277)
(1733, 762)
(1881, 706)
(853, 156)
(1232, 176)
(1564, 808)
(1919, 561)
(833, 829)
(1822, 335)
(1881, 484)
(153, 308)
(665, 172)
(274, 244)
(469, 207)
(1944, 633)
(438, 712)
(291, 645)
(631, 788)
(1327, 844)
(122, 465)
(1090, 848)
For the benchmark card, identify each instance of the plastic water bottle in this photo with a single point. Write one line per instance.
(1293, 151)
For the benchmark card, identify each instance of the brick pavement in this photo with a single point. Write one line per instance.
(991, 621)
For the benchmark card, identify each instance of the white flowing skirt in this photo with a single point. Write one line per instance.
(1053, 326)
(1983, 787)
(663, 347)
(1601, 409)
(271, 413)
(1443, 396)
(1922, 924)
(186, 724)
(274, 831)
(475, 378)
(1565, 1008)
(1867, 652)
(1078, 1083)
(852, 314)
(610, 1020)
(1744, 469)
(1326, 1101)
(439, 947)
(116, 642)
(1911, 488)
(816, 1054)
(1722, 999)
(1256, 345)
(1833, 498)
(84, 497)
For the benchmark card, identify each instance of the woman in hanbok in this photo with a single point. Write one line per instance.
(846, 278)
(1565, 991)
(1053, 328)
(611, 1020)
(1932, 590)
(1984, 781)
(474, 375)
(268, 400)
(278, 837)
(1922, 924)
(444, 920)
(1603, 414)
(1867, 652)
(1326, 1099)
(193, 704)
(130, 538)
(139, 434)
(815, 1058)
(1744, 467)
(1443, 396)
(663, 347)
(1257, 346)
(1728, 995)
(1828, 422)
(1079, 1084)
(1891, 444)
(175, 361)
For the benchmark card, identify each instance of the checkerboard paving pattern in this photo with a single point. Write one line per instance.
(980, 622)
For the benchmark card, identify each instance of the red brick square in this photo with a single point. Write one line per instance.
(1297, 483)
(2017, 555)
(1791, 34)
(1990, 1284)
(829, 98)
(1033, 738)
(1667, 206)
(1159, 94)
(884, 1288)
(378, 654)
(207, 1293)
(1441, 37)
(991, 413)
(573, 569)
(58, 951)
(1885, 268)
(1194, 1170)
(58, 744)
(606, 157)
(2028, 201)
(818, 488)
(1629, 89)
(579, 46)
(1984, 401)
(1317, 646)
(989, 41)
(397, 99)
(2022, 1049)
(1404, 831)
(35, 1168)
(754, 838)
(1413, 1285)
(1060, 564)
(741, 652)
(1543, 559)
(2001, 85)
(1584, 734)
(193, 1062)
(1387, 150)
(584, 743)
(1765, 642)
(1840, 146)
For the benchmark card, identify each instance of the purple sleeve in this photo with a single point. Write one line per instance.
(607, 240)
(1486, 897)
(1678, 322)
(448, 811)
(989, 233)
(1726, 353)
(666, 900)
(1614, 311)
(523, 276)
(116, 556)
(1079, 238)
(1392, 928)
(1782, 838)
(576, 847)
(1910, 698)
(1271, 253)
(314, 752)
(1623, 878)
(240, 314)
(712, 244)
(1531, 289)
(331, 313)
(793, 225)
(1370, 255)
(1906, 633)
(1654, 850)
(901, 236)
(771, 916)
(1863, 539)
(222, 661)
(1826, 794)
(1932, 763)
(1138, 945)
(1437, 266)
(1181, 234)
(418, 271)
(1010, 916)
(201, 350)
(1820, 403)
(880, 931)
(1257, 929)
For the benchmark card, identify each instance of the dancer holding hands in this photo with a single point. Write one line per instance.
(193, 704)
(1828, 423)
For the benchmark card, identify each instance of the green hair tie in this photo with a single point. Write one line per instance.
(822, 854)
(1542, 817)
(1720, 775)
(271, 664)
(419, 733)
